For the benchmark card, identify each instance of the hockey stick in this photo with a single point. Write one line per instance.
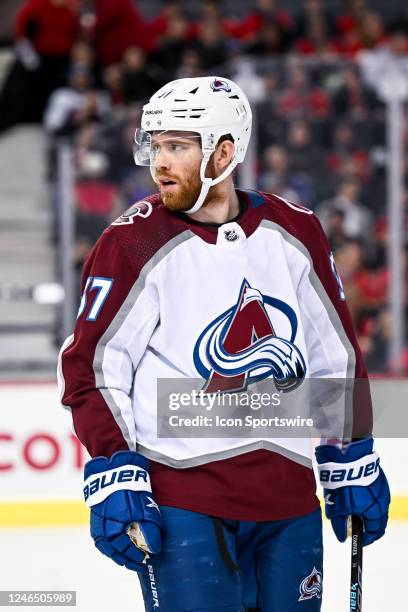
(356, 577)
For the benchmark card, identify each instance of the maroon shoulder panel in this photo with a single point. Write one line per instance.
(117, 258)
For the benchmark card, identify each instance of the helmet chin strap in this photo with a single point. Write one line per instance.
(205, 180)
(208, 182)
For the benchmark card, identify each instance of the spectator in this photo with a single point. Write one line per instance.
(173, 45)
(349, 257)
(298, 97)
(82, 54)
(377, 357)
(347, 24)
(271, 129)
(115, 138)
(349, 20)
(352, 98)
(190, 65)
(371, 30)
(277, 178)
(335, 229)
(390, 57)
(345, 148)
(140, 78)
(357, 218)
(211, 45)
(266, 11)
(305, 155)
(160, 24)
(113, 27)
(45, 32)
(316, 40)
(71, 107)
(312, 13)
(113, 82)
(269, 40)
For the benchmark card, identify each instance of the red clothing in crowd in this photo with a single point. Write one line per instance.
(315, 103)
(118, 26)
(308, 47)
(247, 28)
(52, 28)
(360, 157)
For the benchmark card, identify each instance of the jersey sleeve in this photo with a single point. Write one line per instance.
(117, 316)
(332, 345)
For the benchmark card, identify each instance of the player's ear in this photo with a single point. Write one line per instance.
(224, 153)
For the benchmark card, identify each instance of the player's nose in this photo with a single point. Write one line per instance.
(161, 160)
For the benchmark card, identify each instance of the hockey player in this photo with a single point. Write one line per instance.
(203, 280)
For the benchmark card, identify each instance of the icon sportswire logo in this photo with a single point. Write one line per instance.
(241, 345)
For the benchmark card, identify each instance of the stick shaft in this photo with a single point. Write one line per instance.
(356, 577)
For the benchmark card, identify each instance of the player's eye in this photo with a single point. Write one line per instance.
(176, 146)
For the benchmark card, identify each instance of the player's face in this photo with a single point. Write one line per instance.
(176, 158)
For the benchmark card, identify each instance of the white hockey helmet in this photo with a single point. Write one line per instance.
(210, 106)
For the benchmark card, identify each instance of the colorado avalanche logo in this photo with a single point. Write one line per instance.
(240, 346)
(311, 586)
(140, 209)
(220, 85)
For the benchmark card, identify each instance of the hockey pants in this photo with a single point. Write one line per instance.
(216, 565)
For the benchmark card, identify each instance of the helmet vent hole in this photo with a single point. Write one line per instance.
(235, 97)
(179, 100)
(193, 91)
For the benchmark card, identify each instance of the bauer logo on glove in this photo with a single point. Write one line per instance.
(354, 485)
(362, 473)
(129, 477)
(126, 521)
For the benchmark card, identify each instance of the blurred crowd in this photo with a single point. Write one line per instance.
(85, 67)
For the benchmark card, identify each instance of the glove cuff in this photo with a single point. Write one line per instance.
(101, 464)
(354, 451)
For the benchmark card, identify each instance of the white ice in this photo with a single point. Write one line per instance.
(64, 558)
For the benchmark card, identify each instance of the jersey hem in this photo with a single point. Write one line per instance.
(223, 454)
(231, 513)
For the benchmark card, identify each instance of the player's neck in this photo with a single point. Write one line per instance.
(221, 206)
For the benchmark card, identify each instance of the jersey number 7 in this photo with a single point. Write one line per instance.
(103, 286)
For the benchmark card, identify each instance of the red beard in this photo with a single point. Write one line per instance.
(184, 196)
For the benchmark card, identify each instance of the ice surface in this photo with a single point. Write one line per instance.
(65, 558)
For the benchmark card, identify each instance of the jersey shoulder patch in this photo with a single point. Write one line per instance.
(142, 209)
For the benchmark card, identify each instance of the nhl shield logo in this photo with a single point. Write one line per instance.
(231, 235)
(311, 586)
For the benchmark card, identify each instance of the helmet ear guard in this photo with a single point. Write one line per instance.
(210, 106)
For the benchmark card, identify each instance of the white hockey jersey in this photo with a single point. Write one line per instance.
(165, 297)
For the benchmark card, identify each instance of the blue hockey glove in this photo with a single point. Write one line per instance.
(125, 520)
(354, 483)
